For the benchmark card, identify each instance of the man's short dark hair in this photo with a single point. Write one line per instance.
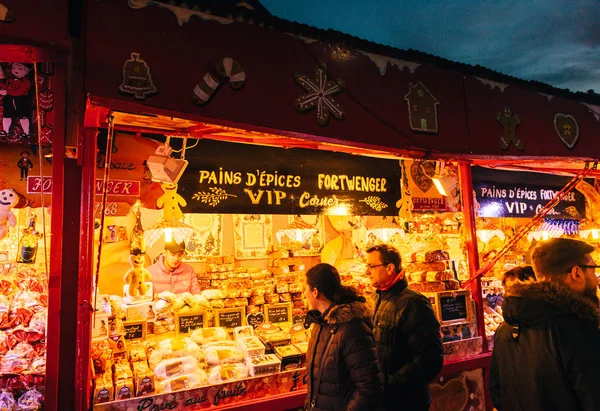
(554, 258)
(389, 255)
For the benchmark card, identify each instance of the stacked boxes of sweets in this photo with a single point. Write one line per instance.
(23, 309)
(218, 270)
(289, 278)
(207, 356)
(431, 271)
(355, 277)
(286, 342)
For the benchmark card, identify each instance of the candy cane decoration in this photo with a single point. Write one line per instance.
(226, 68)
(6, 15)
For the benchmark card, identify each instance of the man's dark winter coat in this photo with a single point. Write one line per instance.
(409, 347)
(547, 352)
(343, 372)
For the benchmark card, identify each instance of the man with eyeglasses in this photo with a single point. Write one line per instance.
(547, 352)
(407, 333)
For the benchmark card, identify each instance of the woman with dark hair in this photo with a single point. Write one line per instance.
(343, 371)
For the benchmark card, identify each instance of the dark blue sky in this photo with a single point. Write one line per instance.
(554, 41)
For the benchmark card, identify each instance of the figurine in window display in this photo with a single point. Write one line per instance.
(546, 352)
(170, 273)
(137, 276)
(8, 199)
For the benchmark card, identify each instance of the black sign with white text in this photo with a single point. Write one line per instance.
(242, 178)
(521, 200)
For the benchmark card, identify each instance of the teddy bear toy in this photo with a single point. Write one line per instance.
(8, 199)
(136, 277)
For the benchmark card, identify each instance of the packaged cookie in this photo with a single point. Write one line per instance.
(263, 364)
(227, 372)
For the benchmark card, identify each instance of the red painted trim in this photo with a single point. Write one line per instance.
(56, 247)
(30, 54)
(466, 189)
(271, 403)
(98, 108)
(84, 314)
(467, 195)
(468, 364)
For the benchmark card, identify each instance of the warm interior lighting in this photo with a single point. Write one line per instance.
(169, 230)
(168, 235)
(385, 229)
(545, 231)
(298, 231)
(341, 209)
(443, 182)
(589, 231)
(486, 231)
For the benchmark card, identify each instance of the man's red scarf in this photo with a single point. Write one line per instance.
(391, 283)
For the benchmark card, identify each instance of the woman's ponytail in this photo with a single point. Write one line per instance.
(345, 295)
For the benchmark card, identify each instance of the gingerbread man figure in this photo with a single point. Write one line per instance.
(509, 121)
(405, 205)
(170, 202)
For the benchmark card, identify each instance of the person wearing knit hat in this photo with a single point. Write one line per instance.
(170, 273)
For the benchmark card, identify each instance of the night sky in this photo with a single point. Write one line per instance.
(554, 41)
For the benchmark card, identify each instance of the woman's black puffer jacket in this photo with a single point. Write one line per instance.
(343, 371)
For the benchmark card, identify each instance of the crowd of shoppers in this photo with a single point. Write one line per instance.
(545, 356)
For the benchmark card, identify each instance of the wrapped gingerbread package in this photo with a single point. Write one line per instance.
(31, 400)
(7, 401)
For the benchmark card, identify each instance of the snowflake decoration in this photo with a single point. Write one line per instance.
(320, 91)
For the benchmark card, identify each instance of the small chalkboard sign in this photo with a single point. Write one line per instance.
(454, 307)
(230, 317)
(188, 322)
(278, 313)
(299, 319)
(134, 330)
(255, 319)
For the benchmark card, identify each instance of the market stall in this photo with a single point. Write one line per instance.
(34, 45)
(214, 86)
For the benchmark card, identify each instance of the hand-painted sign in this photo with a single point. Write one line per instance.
(240, 178)
(521, 200)
(227, 394)
(115, 187)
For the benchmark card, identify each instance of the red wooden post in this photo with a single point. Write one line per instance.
(56, 247)
(467, 195)
(86, 259)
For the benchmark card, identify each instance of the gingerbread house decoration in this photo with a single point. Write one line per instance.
(422, 108)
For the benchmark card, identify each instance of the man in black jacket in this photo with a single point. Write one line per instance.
(547, 352)
(406, 331)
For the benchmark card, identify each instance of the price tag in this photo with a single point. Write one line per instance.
(278, 313)
(135, 330)
(255, 319)
(188, 322)
(230, 317)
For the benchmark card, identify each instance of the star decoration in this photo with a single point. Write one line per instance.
(320, 91)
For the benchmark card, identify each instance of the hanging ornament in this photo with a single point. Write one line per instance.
(6, 15)
(509, 121)
(567, 129)
(137, 79)
(320, 91)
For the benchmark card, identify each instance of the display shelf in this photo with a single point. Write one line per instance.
(286, 388)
